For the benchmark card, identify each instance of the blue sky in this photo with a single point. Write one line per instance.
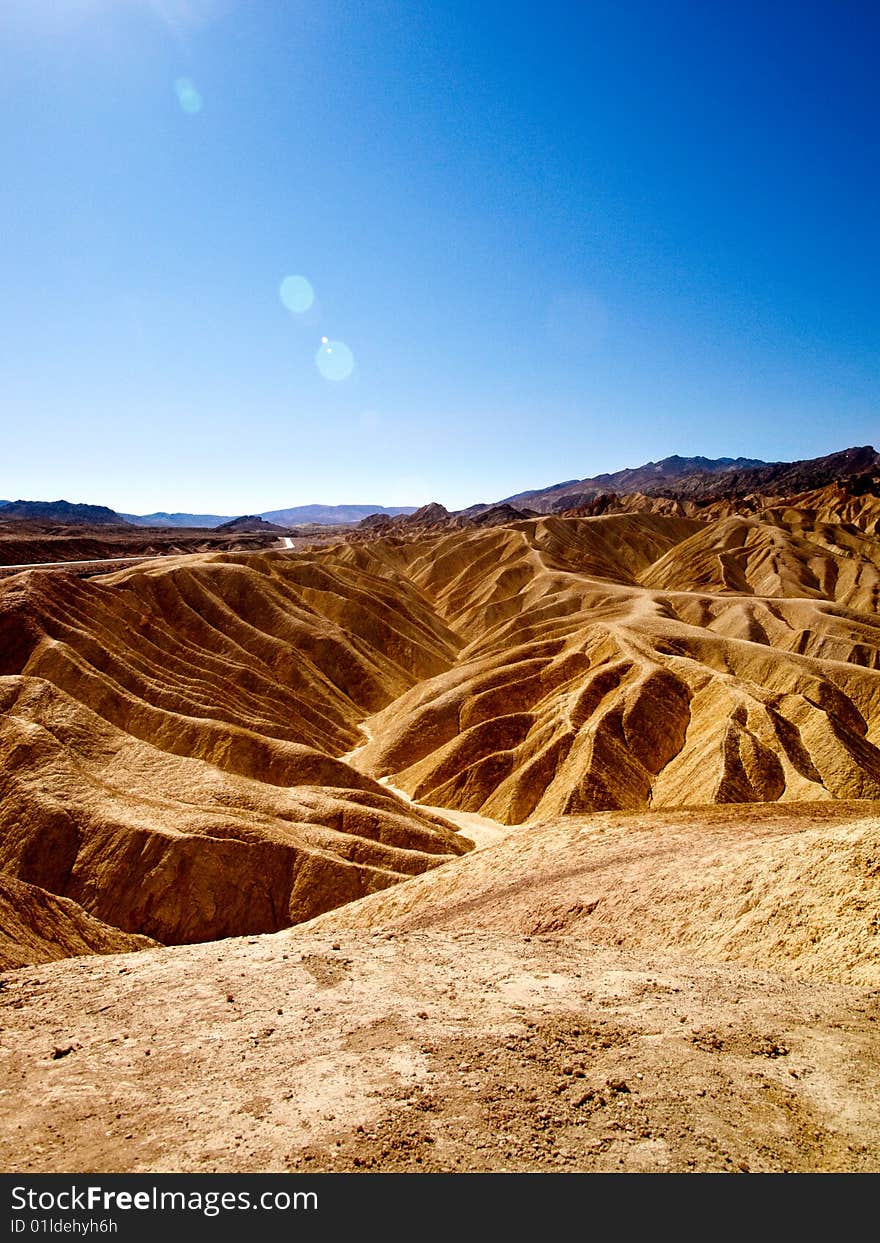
(557, 239)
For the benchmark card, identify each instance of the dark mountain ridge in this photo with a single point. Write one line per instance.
(63, 512)
(700, 478)
(251, 522)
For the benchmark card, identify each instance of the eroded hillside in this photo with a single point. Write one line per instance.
(639, 660)
(230, 743)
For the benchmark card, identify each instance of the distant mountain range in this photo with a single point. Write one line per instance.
(700, 478)
(682, 478)
(162, 519)
(331, 515)
(65, 513)
(296, 515)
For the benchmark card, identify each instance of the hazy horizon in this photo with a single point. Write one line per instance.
(378, 505)
(542, 243)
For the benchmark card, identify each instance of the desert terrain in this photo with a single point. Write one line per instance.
(82, 548)
(505, 840)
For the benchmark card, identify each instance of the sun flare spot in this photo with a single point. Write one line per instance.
(296, 293)
(187, 96)
(334, 360)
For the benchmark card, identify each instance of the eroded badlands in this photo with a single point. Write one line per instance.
(662, 730)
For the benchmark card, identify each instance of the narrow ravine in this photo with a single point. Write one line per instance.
(481, 830)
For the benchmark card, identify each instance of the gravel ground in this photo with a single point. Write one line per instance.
(463, 1051)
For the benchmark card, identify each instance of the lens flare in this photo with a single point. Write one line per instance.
(334, 360)
(187, 96)
(296, 293)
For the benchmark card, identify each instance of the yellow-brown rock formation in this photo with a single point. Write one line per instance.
(171, 734)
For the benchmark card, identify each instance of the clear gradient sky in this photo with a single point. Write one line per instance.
(557, 239)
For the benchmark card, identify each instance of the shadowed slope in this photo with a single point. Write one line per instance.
(36, 926)
(169, 734)
(180, 849)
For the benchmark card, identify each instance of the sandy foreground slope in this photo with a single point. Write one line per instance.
(795, 887)
(432, 1051)
(467, 1043)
